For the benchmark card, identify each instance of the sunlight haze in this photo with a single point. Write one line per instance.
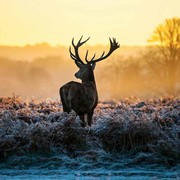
(57, 21)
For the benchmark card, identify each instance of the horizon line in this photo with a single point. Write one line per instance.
(48, 44)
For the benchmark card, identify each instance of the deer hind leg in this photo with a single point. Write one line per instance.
(89, 117)
(64, 100)
(83, 123)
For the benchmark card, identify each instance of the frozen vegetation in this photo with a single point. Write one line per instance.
(124, 134)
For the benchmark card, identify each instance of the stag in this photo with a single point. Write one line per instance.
(83, 97)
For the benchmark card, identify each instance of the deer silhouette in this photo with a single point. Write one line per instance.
(83, 97)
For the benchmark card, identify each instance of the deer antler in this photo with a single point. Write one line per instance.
(76, 56)
(113, 46)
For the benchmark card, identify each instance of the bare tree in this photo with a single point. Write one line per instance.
(166, 41)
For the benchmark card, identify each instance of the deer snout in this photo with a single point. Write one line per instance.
(77, 75)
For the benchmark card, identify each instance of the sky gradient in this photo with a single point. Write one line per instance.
(57, 21)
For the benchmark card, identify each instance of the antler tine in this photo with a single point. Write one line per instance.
(93, 57)
(73, 42)
(80, 38)
(76, 56)
(86, 56)
(81, 43)
(114, 40)
(115, 43)
(103, 54)
(110, 41)
(72, 55)
(89, 61)
(113, 46)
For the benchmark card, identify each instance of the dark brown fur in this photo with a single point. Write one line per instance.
(80, 97)
(83, 97)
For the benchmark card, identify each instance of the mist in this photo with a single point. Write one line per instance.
(38, 71)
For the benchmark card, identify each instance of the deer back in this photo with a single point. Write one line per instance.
(80, 97)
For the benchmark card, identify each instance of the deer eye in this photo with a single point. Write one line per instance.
(93, 65)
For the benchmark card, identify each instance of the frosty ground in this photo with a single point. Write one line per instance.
(129, 138)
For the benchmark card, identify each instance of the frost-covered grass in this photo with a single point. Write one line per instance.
(148, 131)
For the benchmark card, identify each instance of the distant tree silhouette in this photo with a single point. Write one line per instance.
(165, 58)
(123, 76)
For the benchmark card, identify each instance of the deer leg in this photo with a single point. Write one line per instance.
(65, 109)
(83, 123)
(89, 117)
(64, 101)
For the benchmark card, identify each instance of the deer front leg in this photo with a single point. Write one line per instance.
(83, 123)
(89, 117)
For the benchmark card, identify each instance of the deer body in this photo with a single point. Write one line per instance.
(80, 97)
(83, 97)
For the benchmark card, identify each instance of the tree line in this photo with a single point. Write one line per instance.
(153, 72)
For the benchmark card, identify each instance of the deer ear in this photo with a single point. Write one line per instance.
(79, 65)
(93, 65)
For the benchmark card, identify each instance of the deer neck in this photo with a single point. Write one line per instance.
(90, 85)
(89, 78)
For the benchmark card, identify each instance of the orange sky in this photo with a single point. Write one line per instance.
(57, 21)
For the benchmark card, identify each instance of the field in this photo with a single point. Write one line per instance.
(125, 135)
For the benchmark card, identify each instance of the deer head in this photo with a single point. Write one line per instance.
(86, 70)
